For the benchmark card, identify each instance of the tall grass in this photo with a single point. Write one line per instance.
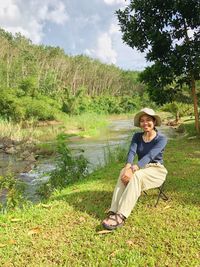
(85, 124)
(115, 154)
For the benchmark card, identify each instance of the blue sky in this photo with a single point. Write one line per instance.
(87, 27)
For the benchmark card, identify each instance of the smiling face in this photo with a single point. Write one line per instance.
(147, 123)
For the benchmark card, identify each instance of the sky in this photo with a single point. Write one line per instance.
(87, 27)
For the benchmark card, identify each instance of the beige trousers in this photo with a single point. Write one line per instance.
(125, 197)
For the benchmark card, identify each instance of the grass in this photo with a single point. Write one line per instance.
(81, 125)
(64, 230)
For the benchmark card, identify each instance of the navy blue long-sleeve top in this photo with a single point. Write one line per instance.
(147, 152)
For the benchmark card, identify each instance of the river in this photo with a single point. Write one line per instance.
(118, 133)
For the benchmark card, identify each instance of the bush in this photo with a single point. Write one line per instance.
(114, 104)
(14, 189)
(17, 107)
(178, 109)
(68, 169)
(11, 107)
(128, 104)
(39, 109)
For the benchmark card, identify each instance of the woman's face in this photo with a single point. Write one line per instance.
(147, 123)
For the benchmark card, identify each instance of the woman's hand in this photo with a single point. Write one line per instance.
(128, 173)
(126, 176)
(135, 168)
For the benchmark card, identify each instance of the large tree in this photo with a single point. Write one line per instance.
(169, 32)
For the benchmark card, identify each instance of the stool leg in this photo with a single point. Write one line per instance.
(161, 194)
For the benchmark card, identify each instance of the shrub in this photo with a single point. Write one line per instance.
(68, 169)
(39, 109)
(128, 104)
(178, 109)
(11, 107)
(14, 189)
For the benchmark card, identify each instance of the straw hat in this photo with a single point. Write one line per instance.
(146, 111)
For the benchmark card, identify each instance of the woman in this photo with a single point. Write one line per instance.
(149, 172)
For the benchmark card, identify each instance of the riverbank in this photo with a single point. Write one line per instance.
(64, 231)
(22, 144)
(27, 152)
(82, 125)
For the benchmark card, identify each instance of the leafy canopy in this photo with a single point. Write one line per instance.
(169, 32)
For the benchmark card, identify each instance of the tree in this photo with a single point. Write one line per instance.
(169, 32)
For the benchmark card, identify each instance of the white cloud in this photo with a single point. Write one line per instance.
(114, 2)
(104, 50)
(114, 28)
(29, 17)
(92, 29)
(9, 11)
(54, 12)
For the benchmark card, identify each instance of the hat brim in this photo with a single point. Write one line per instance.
(139, 114)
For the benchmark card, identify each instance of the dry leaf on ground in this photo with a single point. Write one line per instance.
(104, 232)
(46, 206)
(12, 242)
(34, 231)
(82, 219)
(167, 207)
(129, 242)
(15, 220)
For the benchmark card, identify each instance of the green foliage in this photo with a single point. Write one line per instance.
(178, 109)
(77, 84)
(29, 86)
(70, 102)
(18, 108)
(11, 107)
(114, 104)
(14, 192)
(69, 169)
(49, 70)
(39, 109)
(156, 27)
(169, 35)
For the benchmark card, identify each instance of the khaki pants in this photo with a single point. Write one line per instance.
(125, 197)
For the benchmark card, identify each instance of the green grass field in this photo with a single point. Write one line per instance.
(65, 230)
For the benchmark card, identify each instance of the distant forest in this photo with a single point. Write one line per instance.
(34, 76)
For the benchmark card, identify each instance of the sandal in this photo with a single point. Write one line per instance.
(110, 213)
(115, 217)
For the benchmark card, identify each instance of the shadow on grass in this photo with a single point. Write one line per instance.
(94, 203)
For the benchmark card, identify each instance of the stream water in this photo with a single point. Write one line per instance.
(118, 133)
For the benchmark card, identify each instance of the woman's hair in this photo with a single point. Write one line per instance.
(154, 120)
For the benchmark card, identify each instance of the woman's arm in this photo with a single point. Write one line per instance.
(132, 149)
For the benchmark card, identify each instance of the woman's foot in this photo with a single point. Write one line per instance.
(114, 221)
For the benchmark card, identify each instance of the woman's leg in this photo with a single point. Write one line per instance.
(118, 191)
(125, 197)
(150, 177)
(130, 195)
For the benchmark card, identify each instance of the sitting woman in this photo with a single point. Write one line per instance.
(149, 172)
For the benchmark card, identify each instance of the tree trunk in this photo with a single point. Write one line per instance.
(196, 114)
(7, 71)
